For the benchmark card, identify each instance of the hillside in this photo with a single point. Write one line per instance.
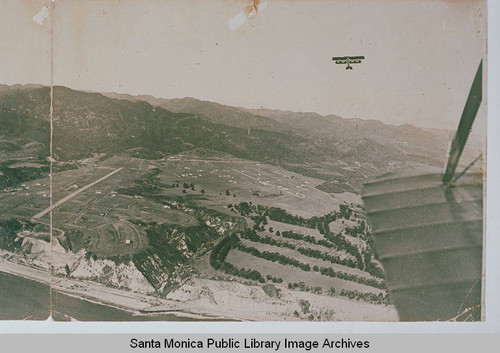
(87, 123)
(342, 152)
(217, 113)
(334, 129)
(406, 138)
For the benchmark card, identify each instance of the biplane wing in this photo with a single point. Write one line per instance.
(340, 60)
(335, 58)
(429, 241)
(428, 232)
(347, 60)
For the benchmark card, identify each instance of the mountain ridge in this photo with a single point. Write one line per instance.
(330, 148)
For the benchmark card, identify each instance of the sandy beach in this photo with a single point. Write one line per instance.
(205, 299)
(130, 301)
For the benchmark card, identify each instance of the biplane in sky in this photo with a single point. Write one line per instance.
(348, 60)
(428, 231)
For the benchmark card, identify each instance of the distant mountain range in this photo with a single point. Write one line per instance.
(407, 138)
(340, 151)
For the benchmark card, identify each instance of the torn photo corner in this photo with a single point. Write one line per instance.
(243, 160)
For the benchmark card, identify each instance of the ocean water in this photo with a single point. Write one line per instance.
(21, 299)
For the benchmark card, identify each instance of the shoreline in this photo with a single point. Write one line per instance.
(230, 304)
(133, 303)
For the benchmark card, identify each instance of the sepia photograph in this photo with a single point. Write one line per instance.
(243, 160)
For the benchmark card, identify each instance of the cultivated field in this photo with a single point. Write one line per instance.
(292, 274)
(306, 259)
(260, 183)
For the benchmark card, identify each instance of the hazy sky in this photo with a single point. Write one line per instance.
(421, 56)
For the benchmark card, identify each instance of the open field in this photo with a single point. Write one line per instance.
(249, 181)
(304, 244)
(338, 226)
(75, 193)
(108, 221)
(349, 197)
(87, 200)
(291, 274)
(24, 179)
(23, 203)
(294, 254)
(280, 226)
(20, 150)
(104, 215)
